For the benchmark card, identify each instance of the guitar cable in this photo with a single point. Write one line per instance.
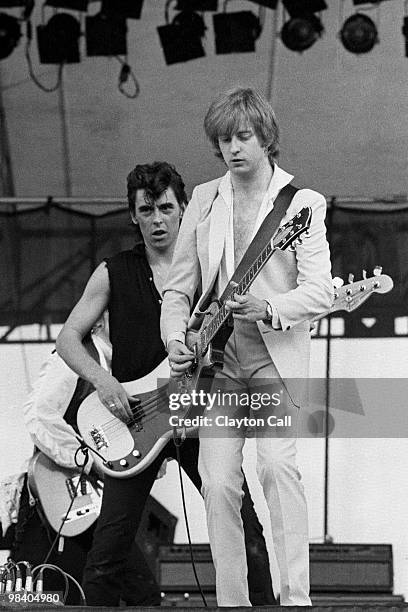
(178, 443)
(66, 576)
(82, 470)
(86, 447)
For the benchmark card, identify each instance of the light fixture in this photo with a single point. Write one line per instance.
(105, 35)
(300, 33)
(58, 40)
(72, 5)
(303, 28)
(236, 32)
(129, 9)
(10, 33)
(181, 39)
(359, 34)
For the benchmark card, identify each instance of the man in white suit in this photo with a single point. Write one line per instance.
(270, 341)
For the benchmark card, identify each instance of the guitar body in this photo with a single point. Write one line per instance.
(54, 487)
(127, 449)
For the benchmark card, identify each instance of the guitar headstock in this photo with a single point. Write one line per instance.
(351, 296)
(289, 233)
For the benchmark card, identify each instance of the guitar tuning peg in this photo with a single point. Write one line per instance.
(364, 274)
(350, 277)
(377, 270)
(337, 282)
(299, 241)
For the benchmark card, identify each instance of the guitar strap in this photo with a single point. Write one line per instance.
(265, 233)
(263, 236)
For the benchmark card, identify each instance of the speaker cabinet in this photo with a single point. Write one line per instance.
(334, 568)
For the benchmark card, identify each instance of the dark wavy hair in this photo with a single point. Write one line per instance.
(227, 112)
(155, 178)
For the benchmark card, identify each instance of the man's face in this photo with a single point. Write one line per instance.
(158, 221)
(242, 152)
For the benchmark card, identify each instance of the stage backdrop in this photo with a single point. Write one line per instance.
(50, 249)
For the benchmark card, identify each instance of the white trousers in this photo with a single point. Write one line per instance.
(247, 365)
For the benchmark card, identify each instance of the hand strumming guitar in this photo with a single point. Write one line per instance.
(113, 396)
(180, 358)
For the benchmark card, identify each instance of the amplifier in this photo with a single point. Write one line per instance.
(342, 568)
(334, 568)
(175, 573)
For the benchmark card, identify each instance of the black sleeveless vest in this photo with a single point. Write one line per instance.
(134, 315)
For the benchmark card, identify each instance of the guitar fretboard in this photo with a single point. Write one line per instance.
(285, 236)
(216, 322)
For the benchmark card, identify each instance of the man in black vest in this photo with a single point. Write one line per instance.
(130, 285)
(50, 415)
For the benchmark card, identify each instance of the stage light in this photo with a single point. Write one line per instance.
(10, 33)
(58, 40)
(300, 33)
(236, 32)
(197, 5)
(301, 8)
(181, 39)
(359, 34)
(105, 35)
(129, 9)
(72, 5)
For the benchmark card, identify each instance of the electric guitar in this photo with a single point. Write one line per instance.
(125, 449)
(54, 487)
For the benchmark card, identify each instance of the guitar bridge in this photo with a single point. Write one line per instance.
(99, 439)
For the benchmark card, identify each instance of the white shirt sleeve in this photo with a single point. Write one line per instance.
(44, 410)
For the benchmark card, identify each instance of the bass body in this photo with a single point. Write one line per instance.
(126, 449)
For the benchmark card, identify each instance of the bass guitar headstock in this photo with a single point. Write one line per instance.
(351, 296)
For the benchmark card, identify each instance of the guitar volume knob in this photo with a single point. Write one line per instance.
(136, 453)
(123, 463)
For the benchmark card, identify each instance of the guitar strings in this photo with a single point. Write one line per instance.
(148, 408)
(115, 425)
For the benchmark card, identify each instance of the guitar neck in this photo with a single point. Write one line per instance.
(211, 329)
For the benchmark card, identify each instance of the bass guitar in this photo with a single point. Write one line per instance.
(125, 449)
(55, 487)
